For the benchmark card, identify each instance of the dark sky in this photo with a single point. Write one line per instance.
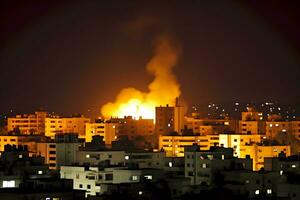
(71, 57)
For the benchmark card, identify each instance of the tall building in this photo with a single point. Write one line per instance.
(169, 119)
(164, 120)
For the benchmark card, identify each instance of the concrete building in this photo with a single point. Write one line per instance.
(174, 145)
(252, 122)
(106, 130)
(28, 123)
(258, 153)
(274, 128)
(95, 157)
(132, 127)
(96, 181)
(211, 126)
(59, 125)
(48, 151)
(201, 166)
(235, 141)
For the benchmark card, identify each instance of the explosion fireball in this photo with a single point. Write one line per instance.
(162, 90)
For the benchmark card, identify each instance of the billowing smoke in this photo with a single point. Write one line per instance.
(162, 90)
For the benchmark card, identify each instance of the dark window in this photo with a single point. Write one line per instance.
(108, 177)
(88, 186)
(52, 158)
(52, 152)
(80, 185)
(52, 146)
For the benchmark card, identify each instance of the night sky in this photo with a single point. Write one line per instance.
(71, 57)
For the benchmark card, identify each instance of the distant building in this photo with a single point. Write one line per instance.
(174, 145)
(107, 130)
(133, 127)
(59, 125)
(235, 141)
(202, 166)
(211, 126)
(28, 123)
(252, 122)
(258, 153)
(97, 181)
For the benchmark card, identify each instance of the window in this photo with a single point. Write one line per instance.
(134, 178)
(80, 185)
(269, 191)
(52, 146)
(52, 152)
(88, 186)
(8, 184)
(257, 192)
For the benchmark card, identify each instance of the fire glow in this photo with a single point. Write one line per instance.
(162, 90)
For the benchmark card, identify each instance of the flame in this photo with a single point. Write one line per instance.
(162, 90)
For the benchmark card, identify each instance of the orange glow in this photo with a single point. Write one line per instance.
(162, 90)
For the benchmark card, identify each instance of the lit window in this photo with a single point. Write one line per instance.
(276, 124)
(223, 156)
(140, 192)
(269, 191)
(293, 166)
(271, 125)
(149, 177)
(204, 165)
(20, 156)
(40, 172)
(134, 178)
(281, 172)
(8, 184)
(126, 157)
(170, 164)
(257, 192)
(87, 155)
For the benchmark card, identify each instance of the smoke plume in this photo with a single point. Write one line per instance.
(162, 90)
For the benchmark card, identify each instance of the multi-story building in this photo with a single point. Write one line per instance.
(259, 152)
(174, 145)
(274, 128)
(28, 123)
(58, 125)
(106, 130)
(30, 141)
(95, 157)
(48, 151)
(202, 166)
(252, 122)
(131, 127)
(235, 141)
(211, 126)
(169, 119)
(96, 181)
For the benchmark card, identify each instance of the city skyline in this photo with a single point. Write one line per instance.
(73, 59)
